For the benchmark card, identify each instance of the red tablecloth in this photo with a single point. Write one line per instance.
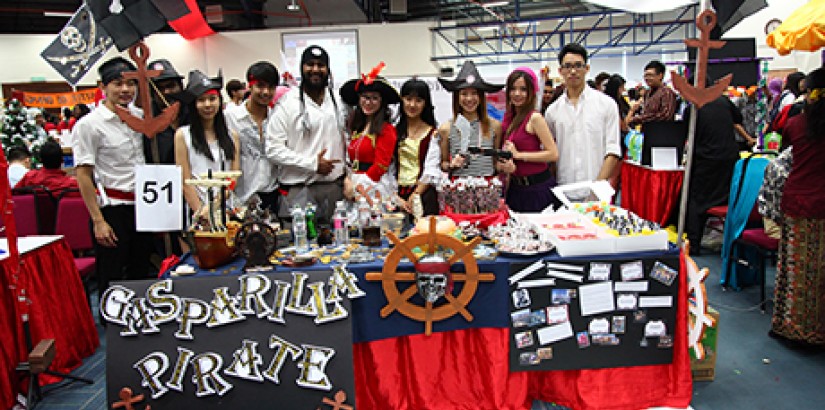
(58, 310)
(651, 194)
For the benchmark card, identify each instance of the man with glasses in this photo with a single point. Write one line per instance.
(660, 100)
(305, 139)
(585, 123)
(250, 120)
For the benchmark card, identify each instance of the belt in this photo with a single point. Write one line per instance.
(531, 179)
(285, 187)
(358, 166)
(118, 194)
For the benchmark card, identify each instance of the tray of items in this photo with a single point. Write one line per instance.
(594, 229)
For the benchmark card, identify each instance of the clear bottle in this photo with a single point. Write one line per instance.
(299, 230)
(364, 214)
(340, 224)
(773, 141)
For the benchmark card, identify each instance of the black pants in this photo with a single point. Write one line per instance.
(129, 259)
(709, 187)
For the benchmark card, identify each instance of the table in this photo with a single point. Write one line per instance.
(58, 310)
(650, 193)
(465, 365)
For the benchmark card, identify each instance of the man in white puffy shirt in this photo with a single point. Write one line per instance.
(305, 138)
(106, 151)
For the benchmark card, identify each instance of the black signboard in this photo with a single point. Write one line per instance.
(593, 314)
(277, 340)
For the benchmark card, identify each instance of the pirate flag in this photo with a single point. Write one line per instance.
(78, 46)
(129, 21)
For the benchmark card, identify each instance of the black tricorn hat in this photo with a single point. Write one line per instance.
(369, 82)
(168, 71)
(198, 83)
(469, 77)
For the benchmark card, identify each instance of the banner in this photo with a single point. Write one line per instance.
(77, 47)
(57, 100)
(276, 340)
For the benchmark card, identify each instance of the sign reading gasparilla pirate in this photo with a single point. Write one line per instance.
(278, 340)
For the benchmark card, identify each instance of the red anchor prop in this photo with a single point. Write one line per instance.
(149, 125)
(700, 95)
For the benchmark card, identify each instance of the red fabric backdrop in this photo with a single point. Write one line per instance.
(58, 310)
(651, 194)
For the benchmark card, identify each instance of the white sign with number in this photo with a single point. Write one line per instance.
(158, 198)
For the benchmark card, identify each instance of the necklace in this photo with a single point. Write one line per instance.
(415, 133)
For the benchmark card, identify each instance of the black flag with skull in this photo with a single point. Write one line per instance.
(77, 47)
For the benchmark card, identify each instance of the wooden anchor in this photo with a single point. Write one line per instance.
(149, 125)
(700, 95)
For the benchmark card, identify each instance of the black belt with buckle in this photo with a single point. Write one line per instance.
(531, 179)
(359, 166)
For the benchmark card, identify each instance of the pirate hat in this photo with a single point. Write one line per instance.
(369, 82)
(168, 72)
(198, 83)
(469, 77)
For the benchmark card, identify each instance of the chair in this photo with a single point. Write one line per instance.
(742, 213)
(767, 247)
(72, 222)
(25, 215)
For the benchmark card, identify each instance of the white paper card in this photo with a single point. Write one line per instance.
(635, 286)
(655, 301)
(536, 283)
(554, 333)
(565, 275)
(664, 158)
(596, 298)
(599, 326)
(158, 198)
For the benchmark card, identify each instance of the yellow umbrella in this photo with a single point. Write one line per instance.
(803, 30)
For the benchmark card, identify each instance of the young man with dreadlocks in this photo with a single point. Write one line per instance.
(305, 138)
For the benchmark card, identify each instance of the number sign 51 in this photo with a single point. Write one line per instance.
(158, 198)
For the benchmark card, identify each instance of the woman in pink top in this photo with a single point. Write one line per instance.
(528, 138)
(799, 311)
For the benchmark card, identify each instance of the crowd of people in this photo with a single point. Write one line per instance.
(311, 144)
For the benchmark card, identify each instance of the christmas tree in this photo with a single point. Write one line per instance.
(18, 129)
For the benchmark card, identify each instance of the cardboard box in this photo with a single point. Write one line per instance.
(705, 370)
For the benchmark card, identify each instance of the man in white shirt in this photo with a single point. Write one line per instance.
(585, 123)
(306, 140)
(107, 150)
(20, 161)
(250, 120)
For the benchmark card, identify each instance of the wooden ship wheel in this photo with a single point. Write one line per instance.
(431, 311)
(256, 241)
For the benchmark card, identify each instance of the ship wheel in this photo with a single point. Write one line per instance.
(428, 312)
(698, 317)
(256, 241)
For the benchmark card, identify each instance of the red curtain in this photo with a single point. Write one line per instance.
(651, 194)
(58, 310)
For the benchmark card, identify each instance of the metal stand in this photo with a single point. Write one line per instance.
(39, 360)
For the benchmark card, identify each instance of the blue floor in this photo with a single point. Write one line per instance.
(753, 371)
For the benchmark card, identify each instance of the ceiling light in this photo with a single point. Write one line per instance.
(495, 4)
(58, 13)
(293, 7)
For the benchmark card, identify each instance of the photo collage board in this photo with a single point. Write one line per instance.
(593, 314)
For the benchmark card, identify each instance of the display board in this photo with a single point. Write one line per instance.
(232, 341)
(591, 314)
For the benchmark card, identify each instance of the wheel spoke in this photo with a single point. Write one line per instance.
(459, 307)
(428, 318)
(395, 303)
(482, 277)
(432, 236)
(402, 247)
(459, 253)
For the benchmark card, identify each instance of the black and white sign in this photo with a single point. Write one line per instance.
(232, 342)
